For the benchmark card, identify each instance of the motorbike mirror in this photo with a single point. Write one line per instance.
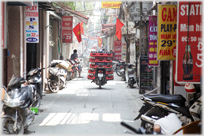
(22, 81)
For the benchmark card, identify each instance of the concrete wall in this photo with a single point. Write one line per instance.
(55, 40)
(13, 42)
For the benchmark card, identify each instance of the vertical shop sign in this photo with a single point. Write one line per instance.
(153, 41)
(32, 33)
(137, 49)
(2, 26)
(146, 74)
(67, 22)
(124, 46)
(117, 50)
(167, 24)
(189, 61)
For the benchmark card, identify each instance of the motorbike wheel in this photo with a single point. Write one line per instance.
(8, 124)
(75, 74)
(69, 76)
(118, 72)
(37, 103)
(152, 112)
(100, 82)
(61, 84)
(53, 88)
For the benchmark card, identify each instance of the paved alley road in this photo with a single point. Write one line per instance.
(83, 109)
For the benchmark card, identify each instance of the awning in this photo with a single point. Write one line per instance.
(104, 26)
(20, 3)
(76, 14)
(55, 15)
(46, 6)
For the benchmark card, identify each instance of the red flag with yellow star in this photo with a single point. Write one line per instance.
(77, 32)
(81, 27)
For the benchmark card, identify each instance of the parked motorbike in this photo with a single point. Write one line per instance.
(16, 106)
(115, 65)
(54, 78)
(131, 75)
(34, 78)
(158, 106)
(121, 70)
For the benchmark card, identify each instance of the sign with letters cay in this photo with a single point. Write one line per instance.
(167, 26)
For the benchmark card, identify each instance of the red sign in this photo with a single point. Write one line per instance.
(67, 22)
(117, 50)
(189, 60)
(2, 25)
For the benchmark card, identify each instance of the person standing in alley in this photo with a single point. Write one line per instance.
(73, 57)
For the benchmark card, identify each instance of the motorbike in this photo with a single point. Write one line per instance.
(131, 75)
(158, 106)
(34, 78)
(115, 67)
(121, 70)
(54, 78)
(100, 77)
(16, 107)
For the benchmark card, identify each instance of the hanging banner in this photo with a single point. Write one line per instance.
(167, 23)
(189, 61)
(67, 28)
(99, 42)
(132, 53)
(153, 41)
(31, 28)
(117, 50)
(110, 4)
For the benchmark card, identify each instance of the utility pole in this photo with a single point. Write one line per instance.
(128, 45)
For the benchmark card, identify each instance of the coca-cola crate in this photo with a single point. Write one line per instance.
(100, 60)
(108, 58)
(108, 66)
(101, 63)
(108, 61)
(93, 66)
(98, 54)
(91, 77)
(109, 78)
(109, 54)
(109, 69)
(92, 71)
(109, 72)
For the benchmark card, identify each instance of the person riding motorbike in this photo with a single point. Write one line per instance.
(73, 57)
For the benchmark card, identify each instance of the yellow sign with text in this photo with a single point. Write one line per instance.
(167, 27)
(110, 4)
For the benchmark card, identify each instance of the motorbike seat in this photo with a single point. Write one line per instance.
(167, 98)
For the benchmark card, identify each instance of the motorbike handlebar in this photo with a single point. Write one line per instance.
(137, 131)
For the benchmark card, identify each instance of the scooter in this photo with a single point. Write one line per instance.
(16, 107)
(34, 78)
(131, 75)
(54, 78)
(158, 106)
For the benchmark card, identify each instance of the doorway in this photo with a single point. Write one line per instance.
(31, 56)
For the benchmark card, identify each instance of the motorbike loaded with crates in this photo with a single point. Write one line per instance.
(100, 68)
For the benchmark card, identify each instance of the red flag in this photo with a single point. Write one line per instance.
(82, 29)
(119, 25)
(77, 32)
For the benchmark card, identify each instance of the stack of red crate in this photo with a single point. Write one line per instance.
(100, 60)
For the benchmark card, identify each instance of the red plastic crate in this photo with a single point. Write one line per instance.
(109, 78)
(98, 54)
(97, 60)
(92, 71)
(109, 72)
(108, 61)
(93, 66)
(108, 66)
(91, 77)
(109, 54)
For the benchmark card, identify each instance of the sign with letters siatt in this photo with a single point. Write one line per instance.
(189, 63)
(31, 29)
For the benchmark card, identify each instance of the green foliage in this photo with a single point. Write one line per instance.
(71, 4)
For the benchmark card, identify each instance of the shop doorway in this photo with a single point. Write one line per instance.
(31, 56)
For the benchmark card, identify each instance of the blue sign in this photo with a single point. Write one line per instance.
(31, 39)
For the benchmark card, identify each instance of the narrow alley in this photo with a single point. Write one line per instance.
(83, 108)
